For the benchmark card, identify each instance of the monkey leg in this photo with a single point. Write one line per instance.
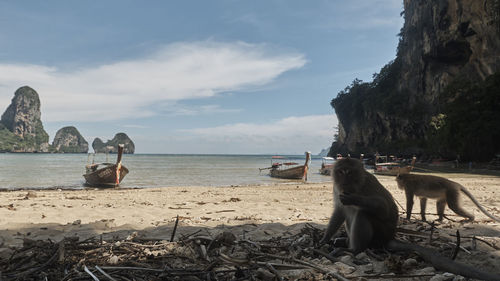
(409, 203)
(360, 234)
(336, 220)
(453, 199)
(423, 204)
(440, 205)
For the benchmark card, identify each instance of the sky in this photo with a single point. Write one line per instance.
(202, 77)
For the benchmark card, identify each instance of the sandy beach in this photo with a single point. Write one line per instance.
(254, 211)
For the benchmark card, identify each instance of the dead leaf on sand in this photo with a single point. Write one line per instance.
(9, 207)
(232, 199)
(179, 208)
(78, 198)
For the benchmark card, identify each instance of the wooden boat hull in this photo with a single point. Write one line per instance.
(326, 170)
(105, 177)
(392, 171)
(296, 173)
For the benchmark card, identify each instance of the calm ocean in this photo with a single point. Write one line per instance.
(146, 170)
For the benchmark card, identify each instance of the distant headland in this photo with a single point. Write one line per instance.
(21, 130)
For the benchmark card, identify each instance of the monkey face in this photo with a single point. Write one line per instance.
(348, 174)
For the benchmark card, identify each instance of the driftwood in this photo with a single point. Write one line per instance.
(223, 256)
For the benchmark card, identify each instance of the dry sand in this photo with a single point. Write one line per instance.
(255, 211)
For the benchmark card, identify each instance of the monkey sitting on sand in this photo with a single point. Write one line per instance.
(443, 190)
(371, 216)
(365, 206)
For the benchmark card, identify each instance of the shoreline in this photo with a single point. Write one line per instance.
(255, 211)
(83, 188)
(419, 169)
(312, 200)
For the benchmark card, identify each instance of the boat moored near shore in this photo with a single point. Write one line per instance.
(280, 168)
(106, 174)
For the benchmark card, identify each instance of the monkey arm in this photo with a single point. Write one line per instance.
(336, 220)
(373, 204)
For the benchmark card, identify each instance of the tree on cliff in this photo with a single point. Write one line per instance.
(469, 120)
(439, 96)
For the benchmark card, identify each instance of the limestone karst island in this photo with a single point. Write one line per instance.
(229, 104)
(21, 130)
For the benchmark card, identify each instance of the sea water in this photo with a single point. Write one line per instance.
(65, 171)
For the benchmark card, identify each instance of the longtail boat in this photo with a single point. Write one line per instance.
(327, 166)
(284, 170)
(106, 174)
(392, 168)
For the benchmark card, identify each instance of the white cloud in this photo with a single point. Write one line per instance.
(133, 126)
(288, 135)
(127, 89)
(177, 109)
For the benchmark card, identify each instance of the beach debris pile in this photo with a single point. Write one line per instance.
(228, 255)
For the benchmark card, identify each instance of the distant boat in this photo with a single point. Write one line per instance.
(391, 168)
(106, 174)
(288, 170)
(443, 163)
(327, 166)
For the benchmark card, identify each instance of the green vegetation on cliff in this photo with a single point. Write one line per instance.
(9, 142)
(470, 121)
(21, 128)
(439, 97)
(69, 140)
(466, 125)
(352, 102)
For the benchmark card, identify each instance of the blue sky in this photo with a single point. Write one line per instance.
(222, 76)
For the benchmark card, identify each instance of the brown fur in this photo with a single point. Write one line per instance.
(371, 216)
(445, 191)
(365, 206)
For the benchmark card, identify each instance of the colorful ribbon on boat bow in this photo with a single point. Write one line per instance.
(118, 169)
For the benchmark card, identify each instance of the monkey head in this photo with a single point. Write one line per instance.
(348, 174)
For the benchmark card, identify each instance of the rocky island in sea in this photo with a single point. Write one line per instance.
(69, 140)
(21, 130)
(111, 146)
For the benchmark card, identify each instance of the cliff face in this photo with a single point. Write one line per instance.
(441, 42)
(444, 39)
(111, 146)
(69, 140)
(22, 129)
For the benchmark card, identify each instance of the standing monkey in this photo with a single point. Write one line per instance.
(371, 216)
(365, 206)
(443, 190)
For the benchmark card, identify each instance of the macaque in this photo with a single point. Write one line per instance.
(370, 215)
(443, 190)
(366, 207)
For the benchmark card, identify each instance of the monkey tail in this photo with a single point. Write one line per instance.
(464, 190)
(443, 263)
